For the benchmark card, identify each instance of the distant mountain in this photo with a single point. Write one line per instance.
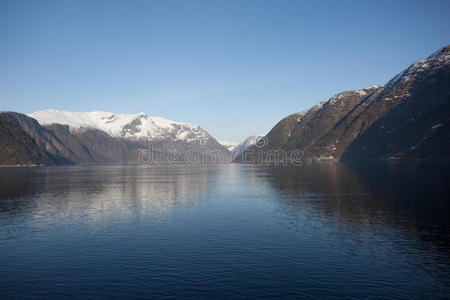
(247, 143)
(229, 145)
(102, 137)
(409, 117)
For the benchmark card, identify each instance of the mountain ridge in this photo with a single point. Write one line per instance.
(81, 143)
(380, 122)
(129, 126)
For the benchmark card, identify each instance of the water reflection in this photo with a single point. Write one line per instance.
(380, 192)
(414, 197)
(231, 230)
(370, 207)
(99, 193)
(407, 202)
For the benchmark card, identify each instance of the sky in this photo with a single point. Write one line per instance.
(233, 67)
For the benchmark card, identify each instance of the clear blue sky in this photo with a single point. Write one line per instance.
(233, 67)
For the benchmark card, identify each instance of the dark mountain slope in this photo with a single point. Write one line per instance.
(407, 109)
(18, 148)
(435, 143)
(45, 138)
(374, 123)
(324, 117)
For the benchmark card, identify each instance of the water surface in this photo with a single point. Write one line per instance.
(225, 231)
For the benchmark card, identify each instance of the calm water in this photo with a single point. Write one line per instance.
(225, 231)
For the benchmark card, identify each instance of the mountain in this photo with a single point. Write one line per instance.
(237, 148)
(406, 118)
(127, 126)
(229, 145)
(103, 137)
(18, 148)
(247, 143)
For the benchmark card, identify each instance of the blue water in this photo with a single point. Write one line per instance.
(230, 231)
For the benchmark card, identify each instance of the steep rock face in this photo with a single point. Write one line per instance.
(44, 137)
(314, 125)
(401, 119)
(434, 144)
(18, 148)
(408, 107)
(90, 146)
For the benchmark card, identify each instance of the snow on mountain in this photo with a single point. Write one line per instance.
(248, 142)
(438, 59)
(128, 126)
(229, 145)
(336, 98)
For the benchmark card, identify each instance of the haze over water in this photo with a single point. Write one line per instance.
(225, 231)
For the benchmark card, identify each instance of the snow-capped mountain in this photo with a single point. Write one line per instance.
(104, 137)
(247, 143)
(128, 126)
(229, 145)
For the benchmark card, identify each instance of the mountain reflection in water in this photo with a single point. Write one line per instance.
(225, 231)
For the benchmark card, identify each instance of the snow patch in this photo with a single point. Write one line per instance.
(438, 59)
